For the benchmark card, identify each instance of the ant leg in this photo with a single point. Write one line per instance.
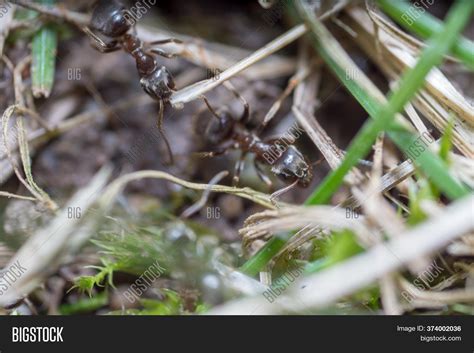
(244, 119)
(262, 175)
(239, 166)
(220, 150)
(165, 41)
(99, 44)
(211, 154)
(162, 131)
(164, 53)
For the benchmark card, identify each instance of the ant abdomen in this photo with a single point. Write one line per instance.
(109, 18)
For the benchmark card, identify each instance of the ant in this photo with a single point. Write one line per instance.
(111, 19)
(226, 132)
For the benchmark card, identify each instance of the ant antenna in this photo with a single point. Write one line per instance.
(162, 131)
(211, 109)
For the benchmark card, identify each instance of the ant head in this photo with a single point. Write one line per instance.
(218, 130)
(292, 166)
(110, 18)
(159, 84)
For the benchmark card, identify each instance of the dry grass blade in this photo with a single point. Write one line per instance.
(115, 188)
(205, 195)
(303, 109)
(218, 57)
(5, 26)
(437, 298)
(11, 158)
(26, 161)
(196, 90)
(13, 196)
(314, 219)
(293, 82)
(44, 251)
(29, 183)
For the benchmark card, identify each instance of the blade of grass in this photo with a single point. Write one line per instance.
(426, 26)
(384, 116)
(254, 265)
(43, 65)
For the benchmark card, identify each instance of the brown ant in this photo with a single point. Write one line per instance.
(226, 132)
(110, 19)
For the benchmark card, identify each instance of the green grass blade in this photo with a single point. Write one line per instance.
(426, 26)
(43, 64)
(253, 266)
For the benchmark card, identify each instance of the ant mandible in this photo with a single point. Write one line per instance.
(109, 18)
(225, 132)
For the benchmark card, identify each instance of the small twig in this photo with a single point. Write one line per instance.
(293, 82)
(14, 196)
(41, 122)
(114, 188)
(303, 109)
(29, 183)
(196, 90)
(205, 195)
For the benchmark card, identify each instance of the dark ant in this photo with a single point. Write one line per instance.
(227, 132)
(110, 18)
